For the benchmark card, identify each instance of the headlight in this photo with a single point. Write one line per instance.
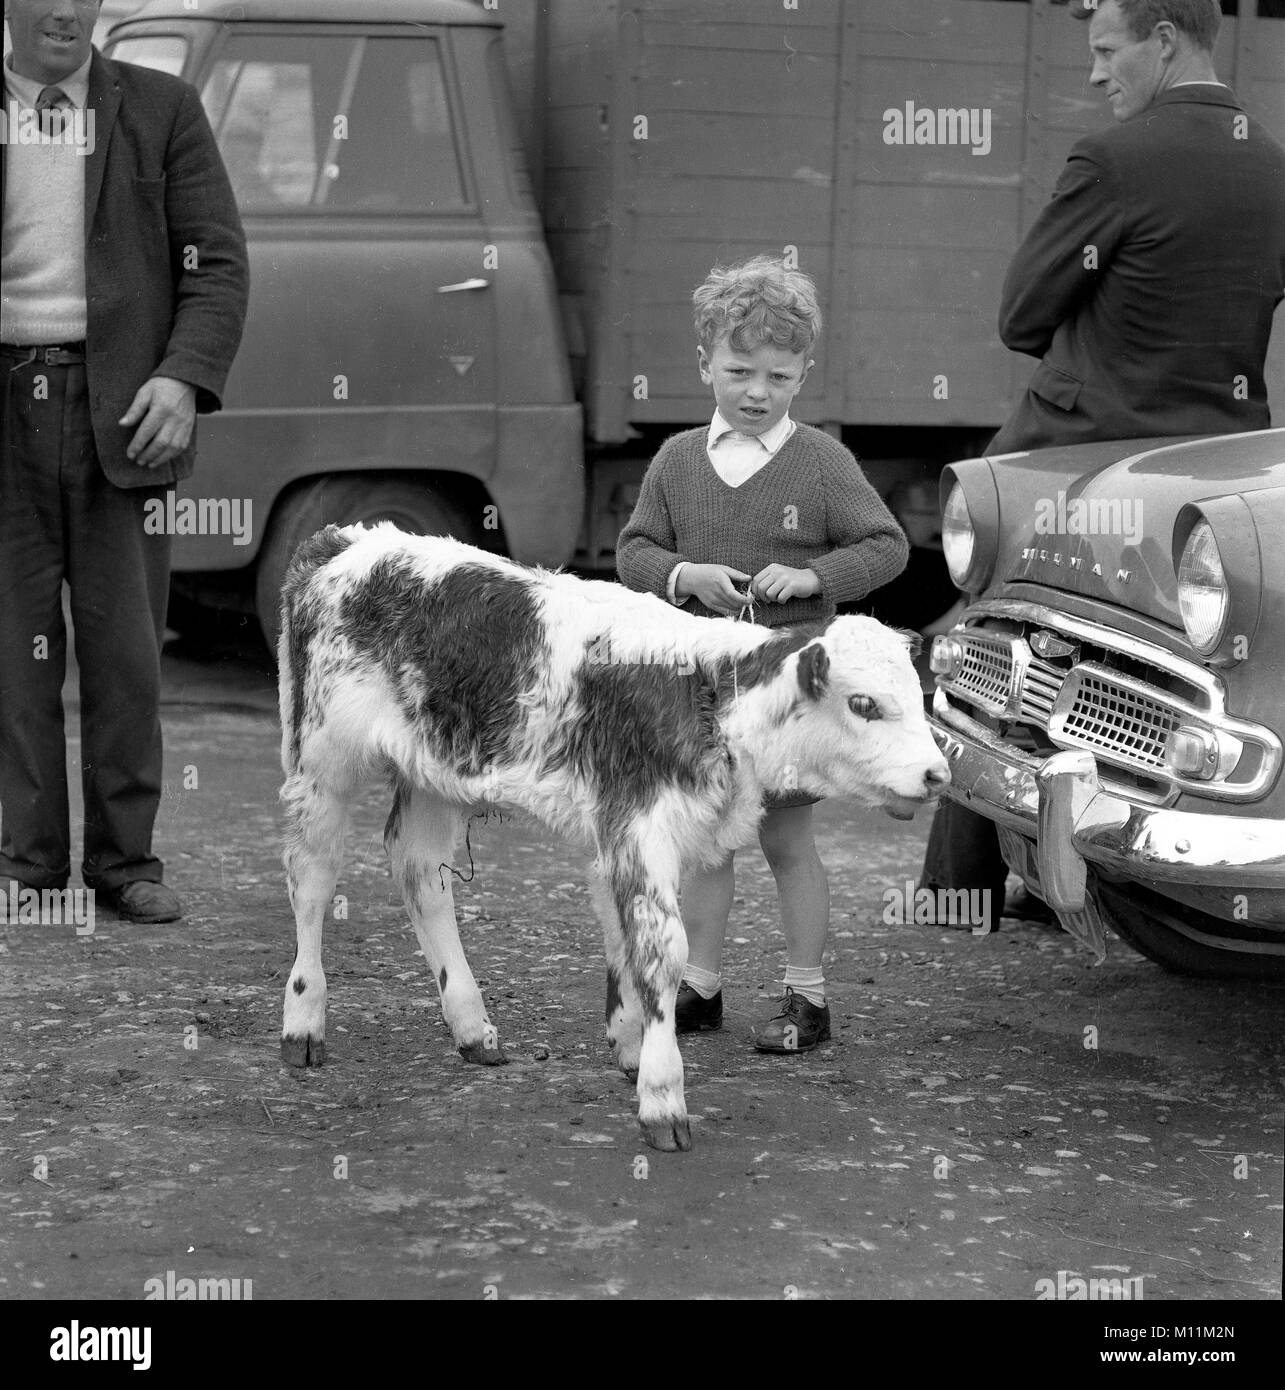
(1202, 589)
(957, 536)
(969, 523)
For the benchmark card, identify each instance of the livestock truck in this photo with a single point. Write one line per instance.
(474, 231)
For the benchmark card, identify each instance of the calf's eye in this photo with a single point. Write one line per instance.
(864, 706)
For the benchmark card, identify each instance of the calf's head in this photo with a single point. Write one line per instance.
(849, 717)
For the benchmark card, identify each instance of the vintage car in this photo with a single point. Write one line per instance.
(1113, 696)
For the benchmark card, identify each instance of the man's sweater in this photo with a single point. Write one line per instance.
(42, 225)
(810, 507)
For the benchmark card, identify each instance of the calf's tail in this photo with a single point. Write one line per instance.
(302, 607)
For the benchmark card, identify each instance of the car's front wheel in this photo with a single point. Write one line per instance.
(1187, 941)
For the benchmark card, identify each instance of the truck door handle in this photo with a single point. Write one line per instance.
(475, 284)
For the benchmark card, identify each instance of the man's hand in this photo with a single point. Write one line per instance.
(165, 412)
(777, 583)
(712, 585)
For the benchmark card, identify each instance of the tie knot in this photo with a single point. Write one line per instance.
(51, 97)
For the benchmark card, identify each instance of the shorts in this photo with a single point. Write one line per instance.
(781, 801)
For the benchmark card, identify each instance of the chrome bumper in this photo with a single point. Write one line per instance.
(1059, 803)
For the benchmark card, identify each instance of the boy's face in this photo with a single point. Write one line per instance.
(753, 389)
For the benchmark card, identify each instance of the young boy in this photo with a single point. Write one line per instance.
(754, 498)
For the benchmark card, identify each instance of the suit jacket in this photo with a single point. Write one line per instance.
(1166, 333)
(166, 273)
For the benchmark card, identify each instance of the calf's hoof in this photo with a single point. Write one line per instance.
(667, 1135)
(487, 1056)
(303, 1052)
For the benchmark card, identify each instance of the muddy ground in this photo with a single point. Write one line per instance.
(958, 1139)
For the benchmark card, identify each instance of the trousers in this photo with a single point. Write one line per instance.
(963, 852)
(61, 519)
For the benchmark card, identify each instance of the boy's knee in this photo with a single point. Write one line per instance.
(701, 881)
(786, 830)
(787, 841)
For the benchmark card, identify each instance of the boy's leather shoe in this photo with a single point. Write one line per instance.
(692, 1012)
(799, 1027)
(141, 901)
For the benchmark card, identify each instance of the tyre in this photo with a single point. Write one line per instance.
(1184, 940)
(207, 617)
(411, 505)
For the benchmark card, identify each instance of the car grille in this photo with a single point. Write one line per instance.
(1086, 705)
(1102, 714)
(1053, 681)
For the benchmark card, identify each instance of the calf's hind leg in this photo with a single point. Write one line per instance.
(422, 835)
(318, 818)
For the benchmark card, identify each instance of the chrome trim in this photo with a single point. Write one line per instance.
(1032, 680)
(1020, 610)
(1155, 844)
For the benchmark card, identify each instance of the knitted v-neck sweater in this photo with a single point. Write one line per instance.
(809, 507)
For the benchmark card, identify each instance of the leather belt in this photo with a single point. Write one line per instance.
(48, 355)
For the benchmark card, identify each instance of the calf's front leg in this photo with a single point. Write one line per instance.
(652, 951)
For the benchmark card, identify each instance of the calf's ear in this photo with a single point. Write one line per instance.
(914, 641)
(814, 669)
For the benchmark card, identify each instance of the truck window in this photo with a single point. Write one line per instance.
(335, 124)
(164, 52)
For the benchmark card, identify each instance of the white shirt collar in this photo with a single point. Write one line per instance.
(771, 440)
(25, 91)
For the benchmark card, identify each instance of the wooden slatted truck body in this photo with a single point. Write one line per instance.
(475, 229)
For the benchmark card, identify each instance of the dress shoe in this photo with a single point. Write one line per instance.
(692, 1012)
(955, 908)
(1026, 907)
(16, 887)
(141, 901)
(799, 1026)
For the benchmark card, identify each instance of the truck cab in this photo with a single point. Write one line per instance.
(403, 358)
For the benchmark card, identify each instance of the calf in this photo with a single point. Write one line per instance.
(647, 733)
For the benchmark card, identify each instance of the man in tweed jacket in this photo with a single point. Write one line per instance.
(123, 287)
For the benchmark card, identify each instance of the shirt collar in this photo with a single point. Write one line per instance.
(771, 440)
(24, 91)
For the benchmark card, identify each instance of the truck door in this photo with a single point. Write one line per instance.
(371, 336)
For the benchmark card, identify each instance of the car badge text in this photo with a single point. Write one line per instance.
(1065, 560)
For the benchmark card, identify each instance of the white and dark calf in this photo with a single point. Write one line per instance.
(646, 733)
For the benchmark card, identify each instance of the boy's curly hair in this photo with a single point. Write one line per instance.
(758, 301)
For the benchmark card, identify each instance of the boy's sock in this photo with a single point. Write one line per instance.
(809, 983)
(706, 983)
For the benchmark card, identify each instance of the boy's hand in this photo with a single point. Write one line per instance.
(777, 583)
(712, 585)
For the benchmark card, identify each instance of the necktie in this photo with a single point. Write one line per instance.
(51, 103)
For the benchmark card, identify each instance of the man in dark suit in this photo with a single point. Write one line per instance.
(123, 287)
(1146, 287)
